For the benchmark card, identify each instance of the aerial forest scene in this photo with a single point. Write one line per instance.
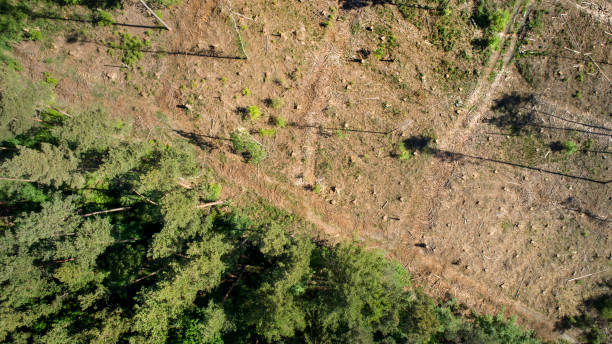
(306, 171)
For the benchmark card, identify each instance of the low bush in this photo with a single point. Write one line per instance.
(275, 103)
(34, 35)
(569, 147)
(279, 121)
(103, 18)
(132, 48)
(330, 18)
(243, 143)
(49, 79)
(254, 112)
(267, 132)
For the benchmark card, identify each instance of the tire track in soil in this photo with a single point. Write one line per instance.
(423, 264)
(321, 73)
(325, 61)
(480, 99)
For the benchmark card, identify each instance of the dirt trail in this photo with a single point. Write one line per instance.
(480, 99)
(324, 62)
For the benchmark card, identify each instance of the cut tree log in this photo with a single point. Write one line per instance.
(206, 205)
(106, 211)
(155, 15)
(585, 276)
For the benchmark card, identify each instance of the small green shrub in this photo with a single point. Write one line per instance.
(536, 22)
(103, 18)
(275, 103)
(527, 71)
(49, 79)
(254, 112)
(132, 48)
(212, 192)
(245, 144)
(246, 91)
(355, 28)
(494, 41)
(569, 147)
(580, 77)
(605, 308)
(492, 21)
(403, 155)
(378, 53)
(267, 132)
(163, 3)
(388, 44)
(330, 18)
(498, 20)
(34, 35)
(446, 34)
(316, 189)
(279, 121)
(578, 95)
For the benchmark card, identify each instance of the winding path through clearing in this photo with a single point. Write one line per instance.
(480, 99)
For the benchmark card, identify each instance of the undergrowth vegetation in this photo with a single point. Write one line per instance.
(131, 48)
(246, 145)
(492, 20)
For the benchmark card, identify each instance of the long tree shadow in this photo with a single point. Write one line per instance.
(558, 146)
(92, 21)
(200, 139)
(573, 204)
(200, 53)
(210, 52)
(324, 129)
(355, 4)
(580, 59)
(93, 3)
(518, 116)
(424, 144)
(24, 10)
(572, 121)
(457, 156)
(78, 37)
